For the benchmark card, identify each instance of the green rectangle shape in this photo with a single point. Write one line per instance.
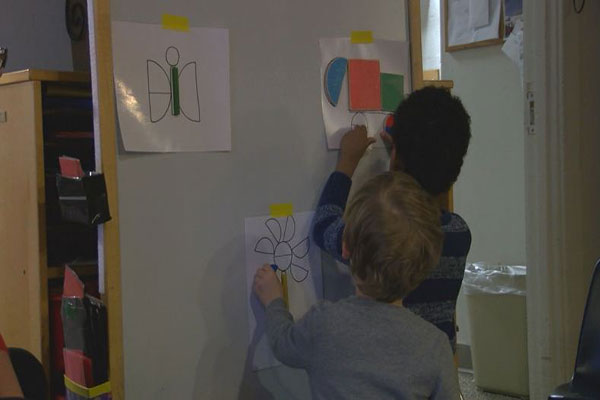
(392, 91)
(175, 108)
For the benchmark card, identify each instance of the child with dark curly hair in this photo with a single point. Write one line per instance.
(369, 346)
(429, 139)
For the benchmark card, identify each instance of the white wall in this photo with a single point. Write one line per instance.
(489, 193)
(182, 214)
(34, 33)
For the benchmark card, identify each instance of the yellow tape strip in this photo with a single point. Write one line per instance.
(175, 23)
(76, 388)
(100, 389)
(281, 210)
(284, 286)
(361, 37)
(89, 393)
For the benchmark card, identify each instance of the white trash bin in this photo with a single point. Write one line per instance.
(497, 307)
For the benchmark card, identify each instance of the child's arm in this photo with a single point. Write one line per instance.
(328, 223)
(289, 341)
(328, 226)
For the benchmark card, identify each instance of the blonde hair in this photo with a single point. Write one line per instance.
(393, 233)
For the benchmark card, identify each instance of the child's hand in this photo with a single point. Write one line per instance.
(352, 147)
(266, 285)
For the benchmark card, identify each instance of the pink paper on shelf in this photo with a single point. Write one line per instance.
(70, 167)
(78, 367)
(2, 344)
(72, 286)
(364, 85)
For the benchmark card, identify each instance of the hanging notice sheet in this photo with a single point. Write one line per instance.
(361, 84)
(471, 23)
(172, 88)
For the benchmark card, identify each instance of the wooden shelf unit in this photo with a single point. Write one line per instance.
(42, 116)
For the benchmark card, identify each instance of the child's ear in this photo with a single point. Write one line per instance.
(393, 161)
(345, 251)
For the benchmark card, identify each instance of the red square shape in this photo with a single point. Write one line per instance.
(364, 85)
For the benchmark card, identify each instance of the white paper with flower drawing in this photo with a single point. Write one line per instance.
(287, 243)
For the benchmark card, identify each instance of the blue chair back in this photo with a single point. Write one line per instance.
(587, 364)
(30, 374)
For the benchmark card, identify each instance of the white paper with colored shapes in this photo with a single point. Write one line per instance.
(336, 53)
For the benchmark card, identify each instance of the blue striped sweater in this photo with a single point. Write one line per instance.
(435, 298)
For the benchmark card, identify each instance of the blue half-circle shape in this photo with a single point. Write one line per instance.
(334, 77)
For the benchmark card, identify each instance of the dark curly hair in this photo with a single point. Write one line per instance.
(431, 133)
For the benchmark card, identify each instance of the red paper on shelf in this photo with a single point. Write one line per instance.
(364, 85)
(72, 285)
(70, 167)
(74, 135)
(78, 367)
(2, 344)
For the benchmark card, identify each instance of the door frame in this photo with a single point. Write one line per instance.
(557, 252)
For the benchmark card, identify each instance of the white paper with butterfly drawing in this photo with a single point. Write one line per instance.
(143, 88)
(394, 58)
(286, 242)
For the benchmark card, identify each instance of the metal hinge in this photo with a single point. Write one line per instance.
(531, 108)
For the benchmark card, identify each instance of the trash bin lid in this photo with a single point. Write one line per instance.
(490, 278)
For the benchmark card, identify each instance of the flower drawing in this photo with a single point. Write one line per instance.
(288, 257)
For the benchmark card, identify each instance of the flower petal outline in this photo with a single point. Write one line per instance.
(274, 227)
(301, 249)
(265, 246)
(290, 229)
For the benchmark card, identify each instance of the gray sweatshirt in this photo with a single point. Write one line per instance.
(359, 348)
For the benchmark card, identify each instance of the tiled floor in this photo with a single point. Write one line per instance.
(471, 392)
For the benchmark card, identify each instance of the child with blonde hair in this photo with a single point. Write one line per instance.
(369, 346)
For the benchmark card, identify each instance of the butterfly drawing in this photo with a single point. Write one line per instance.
(279, 245)
(175, 91)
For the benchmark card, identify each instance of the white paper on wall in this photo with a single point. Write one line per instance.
(479, 13)
(287, 242)
(172, 88)
(460, 30)
(513, 47)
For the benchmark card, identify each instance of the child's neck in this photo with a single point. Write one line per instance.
(397, 303)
